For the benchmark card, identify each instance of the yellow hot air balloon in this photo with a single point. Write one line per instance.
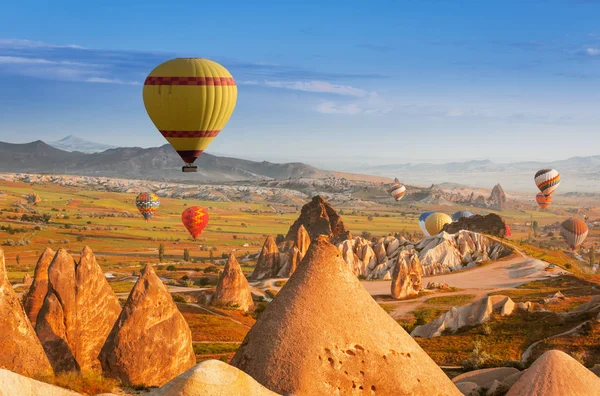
(189, 100)
(436, 221)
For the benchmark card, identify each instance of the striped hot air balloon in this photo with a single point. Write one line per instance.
(422, 219)
(189, 101)
(397, 190)
(460, 214)
(543, 200)
(147, 204)
(547, 180)
(195, 218)
(574, 231)
(436, 221)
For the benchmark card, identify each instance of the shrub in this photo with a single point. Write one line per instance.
(178, 298)
(476, 359)
(171, 268)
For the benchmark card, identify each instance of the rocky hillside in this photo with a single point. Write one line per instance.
(438, 254)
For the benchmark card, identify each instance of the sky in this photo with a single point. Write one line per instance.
(327, 82)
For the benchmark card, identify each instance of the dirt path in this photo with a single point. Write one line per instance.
(480, 281)
(218, 314)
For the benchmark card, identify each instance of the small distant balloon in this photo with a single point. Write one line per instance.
(543, 200)
(397, 191)
(507, 232)
(574, 231)
(436, 222)
(460, 214)
(547, 180)
(195, 219)
(422, 219)
(147, 204)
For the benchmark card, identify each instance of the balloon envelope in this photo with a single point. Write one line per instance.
(189, 100)
(422, 219)
(436, 222)
(507, 232)
(460, 214)
(547, 180)
(398, 190)
(195, 218)
(574, 231)
(147, 204)
(543, 200)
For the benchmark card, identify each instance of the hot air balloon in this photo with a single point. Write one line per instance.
(543, 200)
(460, 214)
(422, 219)
(574, 231)
(507, 232)
(547, 180)
(436, 221)
(147, 204)
(189, 100)
(398, 190)
(195, 218)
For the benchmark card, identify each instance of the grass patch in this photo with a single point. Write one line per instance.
(453, 301)
(122, 287)
(280, 283)
(214, 348)
(387, 307)
(87, 383)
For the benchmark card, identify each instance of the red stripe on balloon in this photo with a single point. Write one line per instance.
(189, 156)
(198, 81)
(190, 134)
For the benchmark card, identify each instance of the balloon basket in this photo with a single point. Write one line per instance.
(189, 168)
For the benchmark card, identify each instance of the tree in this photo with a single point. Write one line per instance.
(370, 218)
(18, 258)
(186, 255)
(536, 228)
(161, 252)
(211, 257)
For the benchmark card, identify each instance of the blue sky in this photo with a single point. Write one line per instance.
(327, 82)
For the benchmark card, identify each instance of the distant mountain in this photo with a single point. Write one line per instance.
(157, 163)
(73, 143)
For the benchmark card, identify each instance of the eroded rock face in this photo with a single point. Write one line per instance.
(438, 254)
(39, 287)
(21, 350)
(468, 315)
(27, 280)
(339, 348)
(233, 291)
(78, 312)
(151, 343)
(302, 241)
(268, 264)
(293, 257)
(406, 278)
(555, 374)
(319, 218)
(213, 378)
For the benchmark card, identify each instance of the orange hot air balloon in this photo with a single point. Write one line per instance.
(189, 100)
(574, 231)
(195, 218)
(543, 200)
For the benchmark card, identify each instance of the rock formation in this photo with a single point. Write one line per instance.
(556, 373)
(490, 224)
(347, 344)
(438, 254)
(14, 384)
(27, 280)
(302, 241)
(497, 199)
(406, 277)
(468, 315)
(268, 264)
(319, 218)
(485, 377)
(21, 349)
(213, 378)
(39, 287)
(78, 312)
(233, 291)
(151, 343)
(33, 198)
(289, 262)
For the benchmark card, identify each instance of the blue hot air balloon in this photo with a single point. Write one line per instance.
(422, 219)
(461, 213)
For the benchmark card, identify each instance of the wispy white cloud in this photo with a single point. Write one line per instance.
(248, 82)
(18, 60)
(317, 86)
(24, 44)
(102, 80)
(333, 108)
(592, 51)
(370, 104)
